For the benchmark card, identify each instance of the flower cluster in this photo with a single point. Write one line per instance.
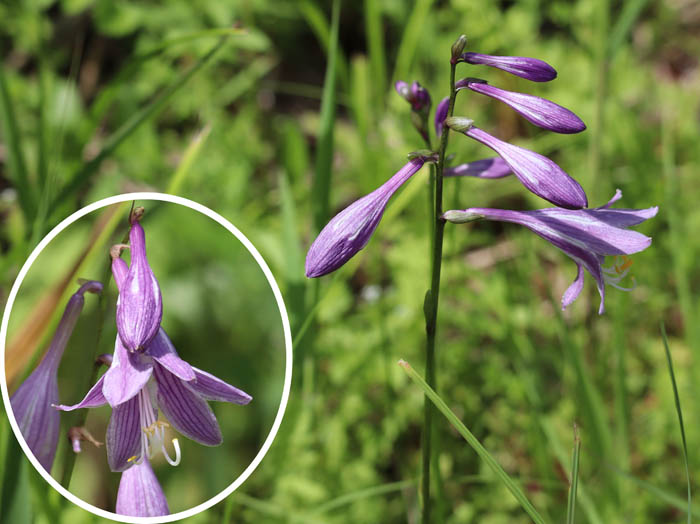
(145, 374)
(585, 234)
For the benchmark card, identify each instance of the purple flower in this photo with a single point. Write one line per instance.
(31, 403)
(140, 307)
(585, 235)
(536, 172)
(138, 383)
(524, 67)
(485, 168)
(441, 114)
(539, 111)
(140, 494)
(415, 94)
(350, 230)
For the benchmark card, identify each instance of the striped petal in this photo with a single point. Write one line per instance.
(140, 494)
(210, 387)
(94, 398)
(126, 376)
(163, 351)
(123, 440)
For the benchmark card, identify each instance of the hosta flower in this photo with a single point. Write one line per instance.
(440, 115)
(537, 173)
(140, 307)
(140, 494)
(539, 111)
(138, 383)
(415, 94)
(350, 230)
(524, 67)
(585, 235)
(31, 403)
(485, 168)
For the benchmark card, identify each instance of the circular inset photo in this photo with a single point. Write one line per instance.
(147, 358)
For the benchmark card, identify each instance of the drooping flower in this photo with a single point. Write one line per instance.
(140, 494)
(484, 168)
(524, 67)
(350, 230)
(138, 383)
(31, 403)
(539, 111)
(585, 235)
(537, 173)
(440, 115)
(140, 307)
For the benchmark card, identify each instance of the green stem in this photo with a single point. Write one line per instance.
(431, 306)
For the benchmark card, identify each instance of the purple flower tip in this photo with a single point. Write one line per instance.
(537, 173)
(524, 67)
(139, 308)
(539, 111)
(485, 168)
(350, 230)
(441, 114)
(140, 494)
(415, 94)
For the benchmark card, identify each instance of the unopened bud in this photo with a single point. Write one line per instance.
(460, 217)
(460, 124)
(458, 48)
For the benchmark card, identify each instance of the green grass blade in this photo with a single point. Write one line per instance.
(188, 159)
(571, 506)
(15, 503)
(319, 25)
(474, 443)
(375, 46)
(133, 123)
(411, 37)
(679, 411)
(629, 15)
(670, 498)
(320, 192)
(15, 156)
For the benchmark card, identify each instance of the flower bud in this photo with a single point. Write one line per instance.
(524, 67)
(440, 115)
(457, 48)
(459, 123)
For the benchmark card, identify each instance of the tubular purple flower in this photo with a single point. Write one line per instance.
(524, 67)
(585, 235)
(350, 230)
(31, 403)
(140, 494)
(138, 383)
(537, 173)
(485, 168)
(140, 307)
(539, 111)
(441, 114)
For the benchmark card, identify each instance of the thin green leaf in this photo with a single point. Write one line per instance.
(375, 45)
(188, 159)
(15, 156)
(319, 25)
(679, 411)
(571, 505)
(14, 501)
(131, 125)
(474, 443)
(324, 155)
(625, 21)
(411, 36)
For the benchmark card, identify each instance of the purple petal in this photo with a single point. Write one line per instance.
(524, 67)
(440, 114)
(126, 376)
(123, 440)
(536, 172)
(574, 290)
(210, 387)
(414, 94)
(140, 494)
(163, 351)
(485, 168)
(140, 308)
(350, 230)
(539, 111)
(119, 270)
(187, 412)
(94, 398)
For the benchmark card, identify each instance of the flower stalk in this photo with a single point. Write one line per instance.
(431, 304)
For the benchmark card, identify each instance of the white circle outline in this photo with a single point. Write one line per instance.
(287, 372)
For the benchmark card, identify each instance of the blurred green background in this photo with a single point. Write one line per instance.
(104, 97)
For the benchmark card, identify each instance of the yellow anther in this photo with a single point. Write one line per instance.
(131, 459)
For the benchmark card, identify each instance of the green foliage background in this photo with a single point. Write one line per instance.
(515, 371)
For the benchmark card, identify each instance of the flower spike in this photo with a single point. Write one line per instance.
(350, 230)
(585, 235)
(140, 307)
(528, 68)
